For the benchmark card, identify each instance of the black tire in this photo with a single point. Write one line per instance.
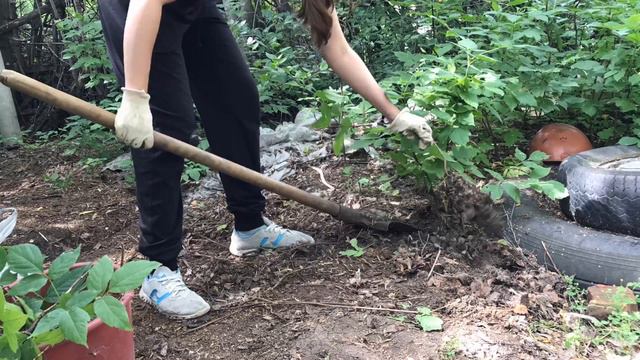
(602, 196)
(590, 255)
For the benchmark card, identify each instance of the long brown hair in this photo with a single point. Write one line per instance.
(317, 15)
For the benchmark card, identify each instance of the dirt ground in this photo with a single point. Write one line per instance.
(309, 303)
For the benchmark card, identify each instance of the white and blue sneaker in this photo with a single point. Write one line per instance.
(166, 291)
(268, 236)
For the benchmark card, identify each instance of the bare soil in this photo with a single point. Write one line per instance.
(313, 303)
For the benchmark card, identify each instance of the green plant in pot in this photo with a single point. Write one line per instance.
(47, 312)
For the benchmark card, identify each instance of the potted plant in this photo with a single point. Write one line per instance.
(69, 311)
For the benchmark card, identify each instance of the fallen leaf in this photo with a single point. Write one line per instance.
(521, 309)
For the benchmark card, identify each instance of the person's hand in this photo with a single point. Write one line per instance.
(413, 126)
(134, 124)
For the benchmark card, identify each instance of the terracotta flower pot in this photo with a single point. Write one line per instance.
(559, 141)
(103, 342)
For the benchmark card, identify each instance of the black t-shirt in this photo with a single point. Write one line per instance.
(189, 10)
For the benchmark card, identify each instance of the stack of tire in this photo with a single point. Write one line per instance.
(599, 242)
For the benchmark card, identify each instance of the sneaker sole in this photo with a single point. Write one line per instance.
(254, 252)
(147, 300)
(245, 253)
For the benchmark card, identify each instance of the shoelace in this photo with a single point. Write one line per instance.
(174, 284)
(277, 229)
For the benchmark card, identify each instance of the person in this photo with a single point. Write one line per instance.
(168, 55)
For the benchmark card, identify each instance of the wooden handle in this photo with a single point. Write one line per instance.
(73, 105)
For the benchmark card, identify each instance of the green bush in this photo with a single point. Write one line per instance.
(493, 73)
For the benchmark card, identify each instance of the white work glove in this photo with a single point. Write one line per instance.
(412, 126)
(134, 124)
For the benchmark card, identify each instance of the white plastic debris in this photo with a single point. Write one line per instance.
(8, 224)
(281, 147)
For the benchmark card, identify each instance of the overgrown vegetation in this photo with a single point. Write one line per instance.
(493, 72)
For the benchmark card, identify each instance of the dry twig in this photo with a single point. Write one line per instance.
(434, 264)
(334, 305)
(546, 251)
(211, 322)
(322, 179)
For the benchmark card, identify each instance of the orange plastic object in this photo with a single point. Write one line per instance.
(560, 141)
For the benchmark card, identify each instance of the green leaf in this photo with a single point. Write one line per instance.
(64, 283)
(512, 191)
(496, 175)
(427, 321)
(525, 98)
(456, 166)
(112, 312)
(589, 109)
(325, 119)
(62, 264)
(443, 49)
(520, 155)
(438, 153)
(28, 284)
(52, 337)
(3, 258)
(553, 189)
(628, 140)
(100, 274)
(131, 275)
(538, 156)
(538, 172)
(606, 134)
(5, 352)
(338, 143)
(13, 319)
(460, 136)
(32, 305)
(2, 302)
(355, 251)
(625, 105)
(588, 65)
(466, 119)
(468, 44)
(48, 322)
(82, 298)
(74, 325)
(470, 98)
(7, 278)
(28, 349)
(193, 174)
(25, 259)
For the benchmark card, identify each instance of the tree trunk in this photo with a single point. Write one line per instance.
(9, 127)
(284, 6)
(5, 17)
(251, 9)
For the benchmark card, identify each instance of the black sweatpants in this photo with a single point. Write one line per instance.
(195, 59)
